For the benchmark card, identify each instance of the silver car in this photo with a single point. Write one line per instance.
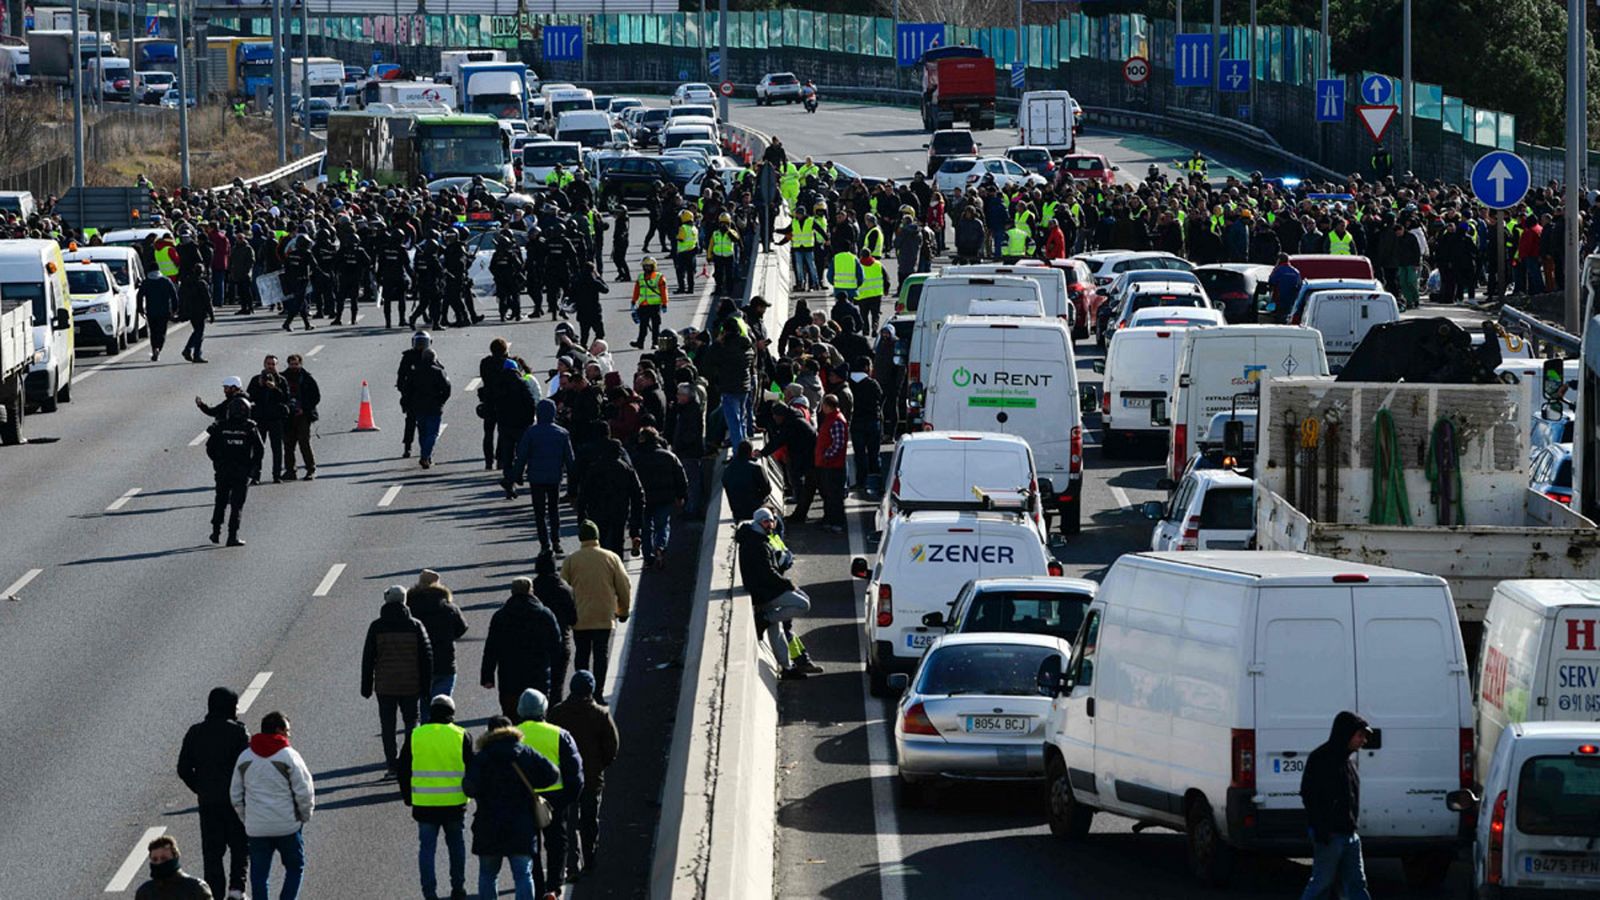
(973, 711)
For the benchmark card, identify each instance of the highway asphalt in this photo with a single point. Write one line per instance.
(842, 832)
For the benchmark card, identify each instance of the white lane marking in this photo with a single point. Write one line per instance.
(21, 583)
(133, 348)
(1122, 497)
(312, 352)
(326, 585)
(442, 427)
(621, 631)
(199, 439)
(389, 495)
(880, 765)
(135, 861)
(252, 691)
(474, 384)
(699, 320)
(122, 501)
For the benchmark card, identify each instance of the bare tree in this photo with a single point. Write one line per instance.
(965, 13)
(26, 133)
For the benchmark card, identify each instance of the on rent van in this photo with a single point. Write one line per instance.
(951, 295)
(1540, 659)
(1139, 369)
(923, 560)
(1219, 368)
(1200, 682)
(32, 271)
(1345, 317)
(1017, 376)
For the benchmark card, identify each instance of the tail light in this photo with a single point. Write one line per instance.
(1105, 403)
(1294, 319)
(1243, 759)
(1234, 295)
(916, 721)
(1054, 568)
(1075, 461)
(914, 371)
(1180, 449)
(885, 606)
(894, 486)
(1495, 864)
(1190, 539)
(1559, 495)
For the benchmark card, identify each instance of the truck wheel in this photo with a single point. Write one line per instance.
(1210, 857)
(1072, 516)
(48, 403)
(11, 420)
(1069, 819)
(1426, 871)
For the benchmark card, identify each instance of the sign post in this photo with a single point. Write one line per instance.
(1136, 70)
(1500, 180)
(1376, 119)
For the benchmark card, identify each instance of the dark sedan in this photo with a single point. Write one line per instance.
(630, 179)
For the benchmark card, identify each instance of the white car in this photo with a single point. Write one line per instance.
(775, 86)
(961, 172)
(693, 92)
(973, 711)
(97, 308)
(127, 270)
(1106, 265)
(960, 470)
(170, 99)
(1213, 509)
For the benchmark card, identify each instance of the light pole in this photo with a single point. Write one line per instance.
(277, 82)
(305, 74)
(1022, 42)
(1577, 139)
(133, 57)
(722, 53)
(1251, 53)
(183, 98)
(1407, 96)
(75, 84)
(1216, 57)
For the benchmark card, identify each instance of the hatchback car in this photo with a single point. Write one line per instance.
(775, 86)
(961, 172)
(1214, 509)
(647, 126)
(633, 178)
(1034, 159)
(1087, 167)
(693, 92)
(1240, 290)
(1022, 604)
(973, 711)
(949, 142)
(1080, 288)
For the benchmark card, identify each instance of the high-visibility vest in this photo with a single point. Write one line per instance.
(721, 242)
(167, 258)
(872, 241)
(652, 288)
(437, 765)
(846, 271)
(1047, 212)
(688, 238)
(871, 281)
(588, 222)
(559, 179)
(545, 739)
(804, 235)
(1018, 242)
(1341, 246)
(809, 170)
(1023, 217)
(1217, 224)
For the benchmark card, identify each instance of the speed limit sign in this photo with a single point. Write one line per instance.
(727, 88)
(1136, 70)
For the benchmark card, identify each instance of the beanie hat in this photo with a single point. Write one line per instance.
(582, 684)
(443, 701)
(427, 578)
(522, 584)
(588, 531)
(532, 704)
(762, 516)
(394, 593)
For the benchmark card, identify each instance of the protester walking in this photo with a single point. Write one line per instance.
(433, 765)
(1330, 788)
(556, 745)
(304, 397)
(603, 593)
(543, 454)
(157, 300)
(425, 394)
(595, 735)
(504, 776)
(665, 488)
(274, 794)
(397, 665)
(205, 764)
(431, 603)
(522, 643)
(556, 595)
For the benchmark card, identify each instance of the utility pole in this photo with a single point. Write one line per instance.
(1577, 139)
(1408, 94)
(305, 75)
(1251, 53)
(705, 62)
(1022, 42)
(1327, 43)
(722, 53)
(99, 62)
(1216, 57)
(894, 35)
(75, 84)
(183, 97)
(277, 81)
(1180, 16)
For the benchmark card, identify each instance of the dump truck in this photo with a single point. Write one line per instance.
(957, 86)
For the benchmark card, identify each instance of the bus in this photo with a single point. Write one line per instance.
(465, 144)
(400, 146)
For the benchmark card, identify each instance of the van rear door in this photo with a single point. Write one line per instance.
(1334, 314)
(1410, 678)
(1572, 676)
(1304, 672)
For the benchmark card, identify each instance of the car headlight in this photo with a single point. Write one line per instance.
(96, 308)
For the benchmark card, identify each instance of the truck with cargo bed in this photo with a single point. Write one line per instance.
(957, 86)
(16, 352)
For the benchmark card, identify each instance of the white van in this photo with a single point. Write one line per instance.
(944, 296)
(1200, 682)
(961, 470)
(32, 271)
(19, 202)
(565, 100)
(540, 158)
(1052, 284)
(697, 130)
(128, 272)
(1044, 119)
(1539, 814)
(588, 127)
(1540, 659)
(1139, 369)
(1219, 368)
(1017, 376)
(1345, 317)
(923, 560)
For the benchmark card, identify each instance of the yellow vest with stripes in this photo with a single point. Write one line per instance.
(871, 281)
(844, 271)
(437, 765)
(804, 234)
(721, 242)
(651, 287)
(545, 739)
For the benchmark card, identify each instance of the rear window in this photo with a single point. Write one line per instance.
(783, 79)
(1230, 509)
(1028, 612)
(1030, 157)
(15, 294)
(86, 281)
(1559, 795)
(654, 116)
(1145, 301)
(1083, 165)
(984, 669)
(1218, 282)
(957, 166)
(543, 154)
(952, 142)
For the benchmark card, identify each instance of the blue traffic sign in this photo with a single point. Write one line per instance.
(1500, 179)
(1019, 74)
(714, 62)
(912, 39)
(1234, 77)
(563, 43)
(377, 57)
(1330, 100)
(152, 26)
(1377, 90)
(1191, 65)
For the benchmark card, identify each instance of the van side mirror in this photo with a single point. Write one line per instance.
(1099, 366)
(62, 321)
(1088, 398)
(1461, 801)
(899, 683)
(1154, 510)
(1049, 677)
(859, 567)
(1554, 378)
(1158, 412)
(1233, 437)
(933, 619)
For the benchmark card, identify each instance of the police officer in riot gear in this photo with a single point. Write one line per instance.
(234, 447)
(394, 268)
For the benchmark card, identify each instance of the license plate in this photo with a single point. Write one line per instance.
(920, 640)
(1574, 866)
(1135, 402)
(1284, 765)
(997, 724)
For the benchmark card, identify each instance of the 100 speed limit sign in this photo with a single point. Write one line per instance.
(1136, 70)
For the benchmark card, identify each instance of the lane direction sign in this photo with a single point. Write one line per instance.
(1500, 179)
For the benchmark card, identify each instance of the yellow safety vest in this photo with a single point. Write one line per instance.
(872, 242)
(1341, 246)
(167, 261)
(804, 235)
(1047, 213)
(545, 739)
(688, 238)
(588, 222)
(844, 271)
(651, 289)
(1018, 242)
(871, 281)
(1023, 217)
(721, 243)
(559, 179)
(437, 765)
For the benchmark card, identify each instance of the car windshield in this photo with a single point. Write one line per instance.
(320, 103)
(1003, 669)
(1027, 611)
(654, 116)
(1084, 164)
(783, 79)
(86, 281)
(1030, 157)
(682, 166)
(952, 142)
(537, 154)
(119, 269)
(1230, 509)
(1559, 795)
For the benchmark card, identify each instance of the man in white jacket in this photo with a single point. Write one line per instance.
(273, 794)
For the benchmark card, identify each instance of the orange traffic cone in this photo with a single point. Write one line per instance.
(364, 421)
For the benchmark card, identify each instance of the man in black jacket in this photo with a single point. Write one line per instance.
(158, 302)
(523, 641)
(611, 496)
(798, 440)
(205, 763)
(304, 398)
(269, 403)
(773, 597)
(1330, 788)
(432, 604)
(397, 665)
(866, 428)
(745, 483)
(665, 487)
(556, 595)
(234, 448)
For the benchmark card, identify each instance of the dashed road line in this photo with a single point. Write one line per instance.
(135, 861)
(326, 585)
(133, 348)
(199, 439)
(21, 583)
(1122, 497)
(252, 691)
(122, 501)
(389, 495)
(312, 352)
(474, 384)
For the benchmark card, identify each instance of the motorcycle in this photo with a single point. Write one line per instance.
(811, 103)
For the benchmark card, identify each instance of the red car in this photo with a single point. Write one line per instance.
(1080, 288)
(1087, 167)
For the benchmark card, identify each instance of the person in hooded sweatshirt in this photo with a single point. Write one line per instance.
(432, 604)
(612, 497)
(499, 777)
(205, 763)
(274, 794)
(168, 880)
(595, 735)
(556, 595)
(1330, 788)
(523, 641)
(774, 598)
(397, 665)
(543, 454)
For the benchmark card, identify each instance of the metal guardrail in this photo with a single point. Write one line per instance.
(299, 170)
(1519, 322)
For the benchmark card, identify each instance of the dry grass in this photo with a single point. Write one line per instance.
(221, 148)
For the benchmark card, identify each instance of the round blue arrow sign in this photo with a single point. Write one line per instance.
(1376, 90)
(1500, 179)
